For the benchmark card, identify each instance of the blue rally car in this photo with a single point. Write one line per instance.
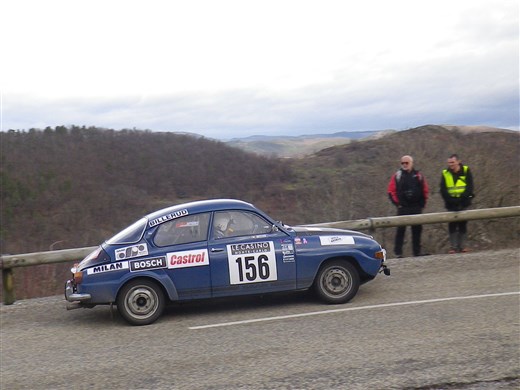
(218, 248)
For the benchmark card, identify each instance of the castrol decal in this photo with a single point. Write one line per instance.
(185, 259)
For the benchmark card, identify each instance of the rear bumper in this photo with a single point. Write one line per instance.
(72, 296)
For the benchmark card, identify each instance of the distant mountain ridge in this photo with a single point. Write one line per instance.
(340, 134)
(304, 145)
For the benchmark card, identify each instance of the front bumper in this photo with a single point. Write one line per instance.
(72, 296)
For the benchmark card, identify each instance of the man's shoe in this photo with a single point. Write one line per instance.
(452, 251)
(464, 250)
(399, 256)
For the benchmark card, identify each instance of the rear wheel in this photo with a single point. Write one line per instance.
(337, 281)
(141, 302)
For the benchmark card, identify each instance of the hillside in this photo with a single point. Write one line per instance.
(75, 187)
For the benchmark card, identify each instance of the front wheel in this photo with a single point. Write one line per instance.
(337, 282)
(140, 302)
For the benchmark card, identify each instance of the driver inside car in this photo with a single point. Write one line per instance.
(222, 226)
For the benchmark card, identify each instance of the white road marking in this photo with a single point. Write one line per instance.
(383, 305)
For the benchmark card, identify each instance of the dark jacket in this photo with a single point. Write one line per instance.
(464, 200)
(408, 189)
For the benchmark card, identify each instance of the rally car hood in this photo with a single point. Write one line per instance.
(302, 231)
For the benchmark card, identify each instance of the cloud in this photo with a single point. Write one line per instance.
(231, 68)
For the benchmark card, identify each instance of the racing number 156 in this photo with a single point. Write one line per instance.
(251, 269)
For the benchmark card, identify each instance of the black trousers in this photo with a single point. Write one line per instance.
(459, 226)
(401, 230)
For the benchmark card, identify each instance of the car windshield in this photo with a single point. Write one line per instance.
(131, 234)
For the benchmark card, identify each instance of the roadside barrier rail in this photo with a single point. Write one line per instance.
(423, 219)
(8, 262)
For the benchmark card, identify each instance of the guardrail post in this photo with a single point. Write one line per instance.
(7, 279)
(371, 227)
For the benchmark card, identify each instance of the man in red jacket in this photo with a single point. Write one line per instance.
(408, 191)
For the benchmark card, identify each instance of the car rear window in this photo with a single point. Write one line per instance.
(191, 228)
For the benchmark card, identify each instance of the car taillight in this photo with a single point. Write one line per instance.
(78, 277)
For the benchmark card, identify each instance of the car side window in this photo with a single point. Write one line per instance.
(191, 228)
(239, 223)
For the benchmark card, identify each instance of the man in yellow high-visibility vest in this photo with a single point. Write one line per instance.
(457, 192)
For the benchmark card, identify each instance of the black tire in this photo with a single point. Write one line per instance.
(141, 302)
(337, 281)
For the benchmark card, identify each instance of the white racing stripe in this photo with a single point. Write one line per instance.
(383, 305)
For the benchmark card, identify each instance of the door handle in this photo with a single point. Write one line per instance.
(214, 250)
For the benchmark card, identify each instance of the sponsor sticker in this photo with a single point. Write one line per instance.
(252, 262)
(288, 253)
(151, 263)
(185, 259)
(337, 240)
(168, 217)
(187, 224)
(288, 258)
(99, 269)
(287, 249)
(130, 252)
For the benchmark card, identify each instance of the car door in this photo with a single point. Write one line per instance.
(247, 255)
(184, 243)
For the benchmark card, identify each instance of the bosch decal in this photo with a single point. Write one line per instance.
(184, 259)
(131, 251)
(144, 264)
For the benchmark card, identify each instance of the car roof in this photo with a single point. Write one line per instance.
(201, 206)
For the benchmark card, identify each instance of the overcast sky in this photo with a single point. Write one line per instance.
(227, 69)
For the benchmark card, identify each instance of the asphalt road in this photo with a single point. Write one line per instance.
(439, 322)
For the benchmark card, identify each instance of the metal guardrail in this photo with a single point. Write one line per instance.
(8, 262)
(423, 219)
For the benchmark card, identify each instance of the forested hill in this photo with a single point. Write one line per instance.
(77, 186)
(74, 187)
